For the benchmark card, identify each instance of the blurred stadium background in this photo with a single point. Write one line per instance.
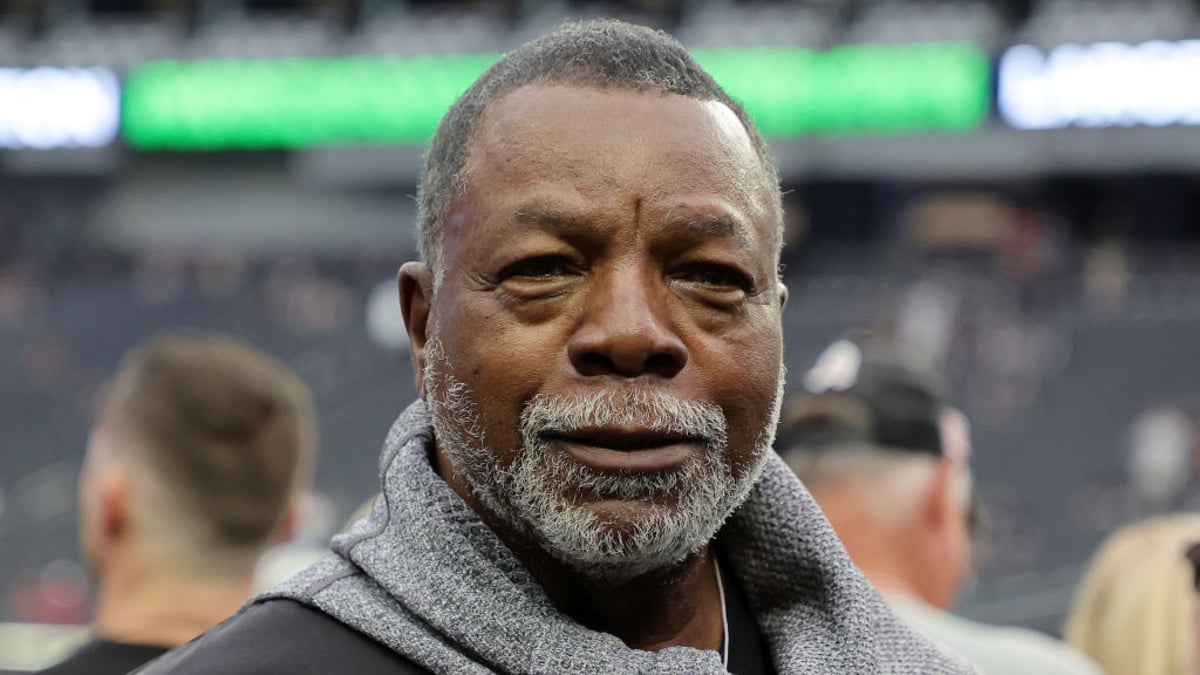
(1012, 185)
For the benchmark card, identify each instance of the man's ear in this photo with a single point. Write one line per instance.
(105, 515)
(944, 515)
(293, 516)
(941, 507)
(114, 504)
(783, 294)
(416, 299)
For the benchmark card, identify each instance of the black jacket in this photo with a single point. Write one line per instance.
(277, 637)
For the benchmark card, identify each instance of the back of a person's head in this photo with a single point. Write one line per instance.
(869, 411)
(216, 437)
(885, 457)
(1134, 612)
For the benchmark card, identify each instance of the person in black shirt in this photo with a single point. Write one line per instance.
(199, 448)
(106, 656)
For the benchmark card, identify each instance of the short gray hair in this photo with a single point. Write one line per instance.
(602, 54)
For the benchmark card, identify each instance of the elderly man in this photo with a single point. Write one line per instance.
(887, 460)
(193, 466)
(587, 484)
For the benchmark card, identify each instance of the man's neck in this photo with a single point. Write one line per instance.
(165, 611)
(679, 607)
(888, 556)
(891, 585)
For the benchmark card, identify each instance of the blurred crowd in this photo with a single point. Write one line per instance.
(1070, 355)
(992, 395)
(1068, 351)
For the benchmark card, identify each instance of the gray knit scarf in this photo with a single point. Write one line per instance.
(423, 575)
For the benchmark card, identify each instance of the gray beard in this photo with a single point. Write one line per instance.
(681, 509)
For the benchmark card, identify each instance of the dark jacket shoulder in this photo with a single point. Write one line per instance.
(281, 636)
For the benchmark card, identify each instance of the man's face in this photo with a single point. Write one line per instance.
(604, 355)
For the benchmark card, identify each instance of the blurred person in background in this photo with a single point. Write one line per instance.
(199, 446)
(1136, 609)
(586, 483)
(887, 460)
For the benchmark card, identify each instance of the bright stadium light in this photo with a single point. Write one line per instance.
(1107, 84)
(45, 108)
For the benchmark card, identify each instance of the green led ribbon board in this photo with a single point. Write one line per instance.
(857, 89)
(210, 105)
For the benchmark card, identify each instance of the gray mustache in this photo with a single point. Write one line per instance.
(641, 409)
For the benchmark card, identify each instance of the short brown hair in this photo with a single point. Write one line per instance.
(226, 431)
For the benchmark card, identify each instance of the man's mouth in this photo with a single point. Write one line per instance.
(626, 451)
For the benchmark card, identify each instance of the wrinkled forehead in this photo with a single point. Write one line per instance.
(555, 109)
(599, 137)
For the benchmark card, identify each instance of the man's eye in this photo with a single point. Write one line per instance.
(718, 277)
(538, 268)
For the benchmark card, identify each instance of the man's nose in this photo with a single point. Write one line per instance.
(626, 329)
